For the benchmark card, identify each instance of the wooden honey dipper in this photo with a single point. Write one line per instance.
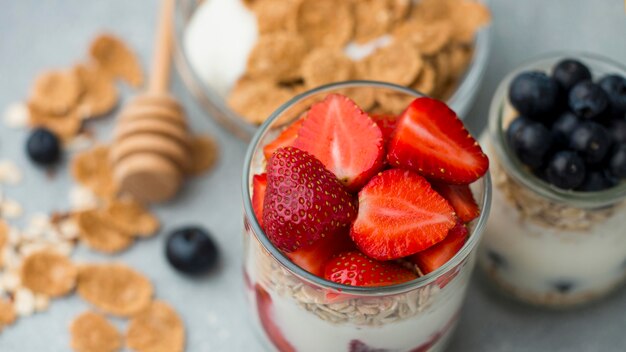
(151, 150)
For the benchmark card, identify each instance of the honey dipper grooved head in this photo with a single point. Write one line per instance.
(152, 112)
(154, 127)
(152, 151)
(158, 99)
(154, 144)
(148, 177)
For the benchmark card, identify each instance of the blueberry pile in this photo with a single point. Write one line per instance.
(571, 131)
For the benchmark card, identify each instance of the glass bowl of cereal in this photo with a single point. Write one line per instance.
(241, 59)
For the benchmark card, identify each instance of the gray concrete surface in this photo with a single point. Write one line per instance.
(35, 35)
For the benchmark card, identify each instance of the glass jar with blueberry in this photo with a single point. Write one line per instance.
(557, 141)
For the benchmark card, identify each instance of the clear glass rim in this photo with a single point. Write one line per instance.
(472, 77)
(474, 238)
(210, 101)
(514, 167)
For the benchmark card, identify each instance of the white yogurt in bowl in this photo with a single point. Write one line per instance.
(218, 59)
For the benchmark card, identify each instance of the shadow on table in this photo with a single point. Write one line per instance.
(492, 321)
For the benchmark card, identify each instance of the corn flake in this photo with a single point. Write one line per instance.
(91, 332)
(49, 273)
(114, 288)
(156, 329)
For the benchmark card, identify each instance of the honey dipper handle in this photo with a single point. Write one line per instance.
(162, 56)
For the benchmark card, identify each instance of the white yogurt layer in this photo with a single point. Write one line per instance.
(536, 259)
(217, 42)
(309, 333)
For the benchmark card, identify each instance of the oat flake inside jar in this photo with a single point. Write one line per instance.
(545, 245)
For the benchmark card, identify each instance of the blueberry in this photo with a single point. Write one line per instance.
(43, 147)
(496, 259)
(617, 161)
(563, 286)
(588, 100)
(541, 174)
(566, 170)
(563, 127)
(190, 250)
(615, 88)
(534, 94)
(531, 143)
(569, 72)
(591, 140)
(617, 129)
(598, 180)
(516, 125)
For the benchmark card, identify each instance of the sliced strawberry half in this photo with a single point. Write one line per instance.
(259, 184)
(304, 202)
(284, 139)
(344, 139)
(461, 199)
(313, 258)
(399, 215)
(431, 140)
(434, 257)
(264, 309)
(387, 125)
(356, 269)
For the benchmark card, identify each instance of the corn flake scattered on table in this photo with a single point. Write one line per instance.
(35, 261)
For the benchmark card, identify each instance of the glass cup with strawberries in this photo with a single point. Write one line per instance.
(361, 227)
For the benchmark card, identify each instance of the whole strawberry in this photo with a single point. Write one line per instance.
(303, 201)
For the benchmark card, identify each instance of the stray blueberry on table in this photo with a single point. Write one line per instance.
(566, 170)
(615, 88)
(591, 140)
(563, 127)
(190, 250)
(534, 95)
(43, 147)
(588, 100)
(617, 161)
(568, 72)
(531, 143)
